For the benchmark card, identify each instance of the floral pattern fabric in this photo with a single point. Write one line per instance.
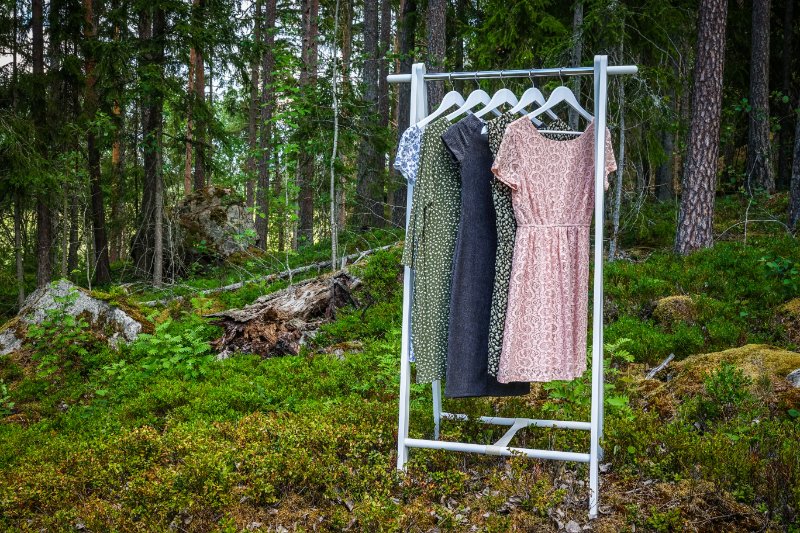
(429, 248)
(552, 191)
(506, 232)
(406, 161)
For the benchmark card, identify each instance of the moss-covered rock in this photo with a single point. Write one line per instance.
(674, 310)
(767, 368)
(109, 321)
(788, 315)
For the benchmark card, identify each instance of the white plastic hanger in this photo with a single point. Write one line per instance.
(503, 96)
(561, 94)
(478, 96)
(532, 96)
(453, 98)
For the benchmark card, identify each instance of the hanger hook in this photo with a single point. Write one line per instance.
(502, 79)
(475, 77)
(560, 75)
(530, 77)
(450, 79)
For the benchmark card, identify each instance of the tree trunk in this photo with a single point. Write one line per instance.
(787, 113)
(759, 158)
(308, 79)
(406, 26)
(74, 237)
(665, 171)
(102, 269)
(794, 192)
(265, 139)
(436, 21)
(44, 222)
(199, 98)
(696, 217)
(187, 167)
(145, 252)
(347, 44)
(577, 57)
(664, 191)
(252, 115)
(333, 193)
(620, 174)
(369, 188)
(117, 186)
(18, 252)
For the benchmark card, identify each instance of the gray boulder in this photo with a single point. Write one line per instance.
(114, 323)
(214, 223)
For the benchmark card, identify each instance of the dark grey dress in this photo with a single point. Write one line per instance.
(473, 268)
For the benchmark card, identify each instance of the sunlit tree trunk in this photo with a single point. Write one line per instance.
(436, 26)
(265, 139)
(696, 217)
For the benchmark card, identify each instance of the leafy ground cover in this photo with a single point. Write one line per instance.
(162, 436)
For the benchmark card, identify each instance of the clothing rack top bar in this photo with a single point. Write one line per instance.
(533, 73)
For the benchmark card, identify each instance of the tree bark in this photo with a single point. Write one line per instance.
(784, 176)
(187, 167)
(44, 222)
(696, 216)
(74, 236)
(145, 252)
(794, 192)
(252, 114)
(265, 139)
(347, 44)
(18, 252)
(577, 57)
(664, 191)
(759, 158)
(308, 79)
(102, 268)
(436, 20)
(199, 98)
(332, 184)
(406, 27)
(369, 188)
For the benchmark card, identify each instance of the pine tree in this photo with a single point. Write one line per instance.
(696, 217)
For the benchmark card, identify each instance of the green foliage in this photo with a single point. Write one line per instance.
(786, 270)
(63, 341)
(6, 405)
(176, 348)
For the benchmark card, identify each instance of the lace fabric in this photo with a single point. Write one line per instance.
(552, 184)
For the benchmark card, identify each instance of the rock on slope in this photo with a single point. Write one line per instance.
(115, 324)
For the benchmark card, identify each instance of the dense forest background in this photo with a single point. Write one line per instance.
(112, 111)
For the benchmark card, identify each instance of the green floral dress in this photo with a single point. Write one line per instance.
(429, 249)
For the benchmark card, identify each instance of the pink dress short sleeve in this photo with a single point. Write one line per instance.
(553, 197)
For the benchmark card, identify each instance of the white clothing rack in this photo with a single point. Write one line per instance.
(419, 107)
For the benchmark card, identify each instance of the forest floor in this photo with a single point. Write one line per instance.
(162, 436)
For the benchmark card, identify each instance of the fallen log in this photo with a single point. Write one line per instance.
(279, 323)
(355, 258)
(652, 374)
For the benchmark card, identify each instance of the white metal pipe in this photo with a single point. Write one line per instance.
(528, 73)
(436, 391)
(488, 449)
(502, 421)
(408, 276)
(600, 96)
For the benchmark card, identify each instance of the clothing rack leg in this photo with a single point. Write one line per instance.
(418, 73)
(436, 390)
(600, 95)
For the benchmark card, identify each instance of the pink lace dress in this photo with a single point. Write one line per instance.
(552, 184)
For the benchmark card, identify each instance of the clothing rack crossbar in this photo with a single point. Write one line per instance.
(419, 110)
(503, 74)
